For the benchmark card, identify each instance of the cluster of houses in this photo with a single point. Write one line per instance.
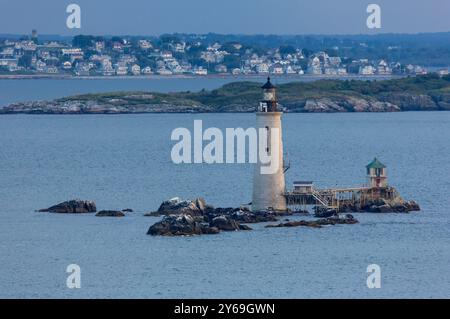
(122, 58)
(322, 63)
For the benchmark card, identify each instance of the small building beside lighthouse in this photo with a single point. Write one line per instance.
(269, 189)
(376, 173)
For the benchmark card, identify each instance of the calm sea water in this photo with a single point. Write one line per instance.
(124, 162)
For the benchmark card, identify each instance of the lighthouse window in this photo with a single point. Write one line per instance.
(268, 140)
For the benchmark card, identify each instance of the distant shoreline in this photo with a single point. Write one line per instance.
(190, 76)
(424, 93)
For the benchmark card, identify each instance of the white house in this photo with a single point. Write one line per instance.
(164, 71)
(67, 65)
(135, 69)
(262, 68)
(290, 70)
(383, 68)
(147, 70)
(366, 70)
(121, 69)
(9, 62)
(314, 66)
(277, 68)
(145, 44)
(166, 55)
(40, 66)
(200, 71)
(236, 71)
(221, 68)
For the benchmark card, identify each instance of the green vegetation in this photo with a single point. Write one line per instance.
(249, 92)
(428, 92)
(132, 98)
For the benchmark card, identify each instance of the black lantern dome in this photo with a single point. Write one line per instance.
(268, 85)
(269, 101)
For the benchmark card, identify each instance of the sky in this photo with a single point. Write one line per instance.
(155, 17)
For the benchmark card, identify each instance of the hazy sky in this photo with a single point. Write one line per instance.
(153, 17)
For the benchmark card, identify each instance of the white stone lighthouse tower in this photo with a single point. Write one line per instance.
(268, 189)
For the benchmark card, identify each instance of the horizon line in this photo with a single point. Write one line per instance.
(237, 34)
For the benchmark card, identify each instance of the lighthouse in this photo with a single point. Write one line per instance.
(376, 174)
(268, 189)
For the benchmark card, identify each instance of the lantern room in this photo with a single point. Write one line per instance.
(269, 101)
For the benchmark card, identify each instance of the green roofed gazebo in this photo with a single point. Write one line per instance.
(376, 172)
(375, 164)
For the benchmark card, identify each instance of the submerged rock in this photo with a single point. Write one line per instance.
(75, 206)
(324, 212)
(180, 225)
(246, 216)
(207, 230)
(127, 210)
(301, 212)
(412, 206)
(225, 223)
(198, 207)
(187, 225)
(334, 220)
(110, 213)
(244, 227)
(380, 205)
(397, 205)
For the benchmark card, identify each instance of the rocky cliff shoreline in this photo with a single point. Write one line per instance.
(424, 93)
(392, 103)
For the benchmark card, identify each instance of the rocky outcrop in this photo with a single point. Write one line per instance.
(102, 106)
(442, 100)
(335, 220)
(382, 103)
(199, 207)
(187, 225)
(421, 93)
(181, 225)
(110, 213)
(348, 104)
(242, 215)
(224, 223)
(323, 105)
(381, 205)
(75, 206)
(324, 212)
(177, 206)
(410, 102)
(198, 218)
